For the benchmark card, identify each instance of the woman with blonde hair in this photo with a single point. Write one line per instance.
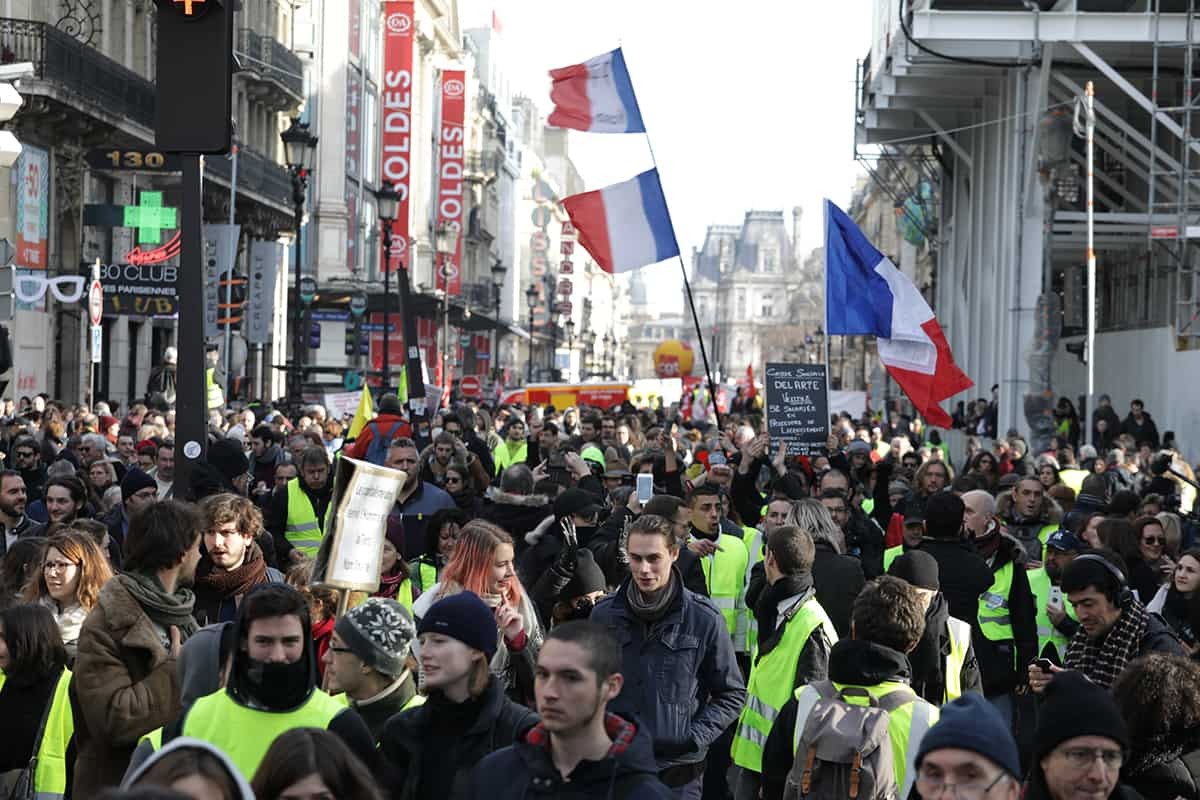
(73, 569)
(482, 563)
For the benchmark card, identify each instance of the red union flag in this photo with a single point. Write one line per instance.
(396, 139)
(451, 147)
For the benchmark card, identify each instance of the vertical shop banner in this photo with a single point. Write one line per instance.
(33, 209)
(396, 139)
(397, 357)
(220, 250)
(265, 258)
(451, 155)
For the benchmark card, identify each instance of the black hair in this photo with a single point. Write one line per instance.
(272, 600)
(664, 505)
(160, 535)
(264, 432)
(73, 485)
(596, 640)
(944, 513)
(34, 641)
(438, 520)
(1083, 574)
(887, 612)
(703, 490)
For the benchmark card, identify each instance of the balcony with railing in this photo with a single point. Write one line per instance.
(257, 175)
(79, 74)
(269, 60)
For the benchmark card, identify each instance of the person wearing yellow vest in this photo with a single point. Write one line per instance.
(943, 663)
(369, 660)
(513, 449)
(272, 686)
(213, 390)
(795, 636)
(887, 623)
(34, 682)
(296, 517)
(914, 532)
(723, 557)
(1029, 515)
(1056, 620)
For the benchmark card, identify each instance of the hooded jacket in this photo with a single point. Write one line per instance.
(244, 792)
(519, 514)
(411, 743)
(526, 769)
(928, 660)
(347, 724)
(1026, 531)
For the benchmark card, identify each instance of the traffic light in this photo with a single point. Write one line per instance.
(358, 343)
(195, 76)
(352, 333)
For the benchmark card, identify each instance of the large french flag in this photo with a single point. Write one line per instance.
(865, 295)
(626, 225)
(595, 96)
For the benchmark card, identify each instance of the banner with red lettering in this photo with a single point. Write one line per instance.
(451, 153)
(396, 138)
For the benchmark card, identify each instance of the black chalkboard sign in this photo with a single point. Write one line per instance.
(797, 407)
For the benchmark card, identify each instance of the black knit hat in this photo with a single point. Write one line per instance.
(134, 481)
(1074, 706)
(588, 576)
(464, 617)
(918, 569)
(228, 458)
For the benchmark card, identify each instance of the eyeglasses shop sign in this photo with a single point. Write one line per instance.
(797, 407)
(146, 290)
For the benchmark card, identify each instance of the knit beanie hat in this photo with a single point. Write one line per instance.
(134, 481)
(588, 576)
(917, 569)
(1074, 706)
(229, 458)
(464, 617)
(972, 723)
(380, 632)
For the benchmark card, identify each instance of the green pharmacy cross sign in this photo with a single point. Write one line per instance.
(150, 218)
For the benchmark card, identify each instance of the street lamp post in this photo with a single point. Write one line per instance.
(589, 352)
(609, 340)
(498, 271)
(531, 299)
(387, 203)
(445, 241)
(570, 327)
(299, 147)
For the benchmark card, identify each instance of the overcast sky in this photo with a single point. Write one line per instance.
(748, 104)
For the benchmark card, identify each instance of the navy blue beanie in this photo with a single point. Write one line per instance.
(972, 723)
(464, 617)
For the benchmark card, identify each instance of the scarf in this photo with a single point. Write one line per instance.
(1103, 661)
(389, 585)
(163, 609)
(766, 608)
(652, 608)
(213, 581)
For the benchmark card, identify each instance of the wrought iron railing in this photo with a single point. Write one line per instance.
(257, 174)
(270, 58)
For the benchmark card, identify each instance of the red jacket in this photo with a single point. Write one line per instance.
(382, 423)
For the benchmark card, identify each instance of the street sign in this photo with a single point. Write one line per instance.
(117, 158)
(565, 307)
(566, 267)
(470, 387)
(358, 304)
(97, 343)
(352, 380)
(541, 216)
(564, 287)
(95, 302)
(308, 289)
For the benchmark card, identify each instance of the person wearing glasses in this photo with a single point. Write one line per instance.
(1150, 565)
(73, 570)
(969, 754)
(1077, 754)
(27, 460)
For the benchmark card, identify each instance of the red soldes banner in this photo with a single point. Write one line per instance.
(451, 152)
(396, 139)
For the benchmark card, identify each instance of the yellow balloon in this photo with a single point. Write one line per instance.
(673, 359)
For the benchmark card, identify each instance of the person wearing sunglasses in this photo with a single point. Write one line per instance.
(1150, 566)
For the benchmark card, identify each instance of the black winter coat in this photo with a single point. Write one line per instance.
(964, 575)
(1171, 777)
(409, 743)
(996, 665)
(838, 580)
(527, 770)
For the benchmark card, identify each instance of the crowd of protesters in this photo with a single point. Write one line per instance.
(609, 603)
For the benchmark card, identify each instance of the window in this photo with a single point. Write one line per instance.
(770, 260)
(741, 304)
(768, 308)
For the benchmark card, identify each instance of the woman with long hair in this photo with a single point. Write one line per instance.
(312, 763)
(21, 563)
(1176, 601)
(461, 488)
(74, 568)
(1159, 697)
(1047, 472)
(441, 537)
(985, 470)
(34, 663)
(482, 563)
(1149, 564)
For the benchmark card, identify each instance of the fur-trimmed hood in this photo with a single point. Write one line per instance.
(1050, 512)
(509, 499)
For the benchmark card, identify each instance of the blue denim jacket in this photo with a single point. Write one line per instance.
(681, 676)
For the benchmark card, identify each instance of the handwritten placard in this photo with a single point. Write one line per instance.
(797, 406)
(352, 548)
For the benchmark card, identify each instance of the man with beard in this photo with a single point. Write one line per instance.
(579, 749)
(1056, 622)
(12, 511)
(232, 563)
(126, 683)
(794, 639)
(267, 456)
(272, 686)
(943, 664)
(27, 460)
(66, 499)
(164, 468)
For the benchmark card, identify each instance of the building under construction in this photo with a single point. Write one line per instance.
(982, 96)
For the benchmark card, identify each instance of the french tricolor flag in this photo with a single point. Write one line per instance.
(865, 295)
(626, 225)
(595, 96)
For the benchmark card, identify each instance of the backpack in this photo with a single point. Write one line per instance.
(844, 750)
(380, 442)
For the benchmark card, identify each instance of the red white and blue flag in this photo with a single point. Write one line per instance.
(626, 225)
(865, 295)
(595, 96)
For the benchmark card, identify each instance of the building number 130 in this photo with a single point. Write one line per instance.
(134, 159)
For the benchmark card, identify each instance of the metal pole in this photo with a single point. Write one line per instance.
(191, 422)
(233, 176)
(445, 327)
(387, 305)
(298, 339)
(529, 363)
(1090, 91)
(91, 395)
